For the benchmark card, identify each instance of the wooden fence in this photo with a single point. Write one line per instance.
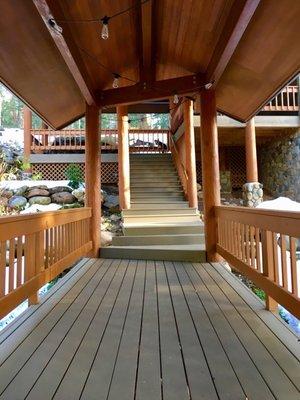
(140, 140)
(35, 248)
(262, 244)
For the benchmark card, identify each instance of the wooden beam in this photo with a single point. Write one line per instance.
(210, 170)
(143, 91)
(123, 158)
(238, 19)
(93, 174)
(146, 36)
(251, 154)
(67, 48)
(189, 138)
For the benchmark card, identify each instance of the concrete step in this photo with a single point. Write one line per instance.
(163, 229)
(155, 190)
(194, 253)
(157, 240)
(157, 199)
(134, 156)
(162, 218)
(156, 180)
(154, 185)
(162, 205)
(162, 176)
(158, 211)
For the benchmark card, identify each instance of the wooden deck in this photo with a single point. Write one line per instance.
(119, 329)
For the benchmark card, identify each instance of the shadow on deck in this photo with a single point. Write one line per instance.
(119, 329)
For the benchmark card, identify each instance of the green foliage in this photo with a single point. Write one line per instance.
(283, 316)
(24, 164)
(38, 176)
(74, 175)
(259, 293)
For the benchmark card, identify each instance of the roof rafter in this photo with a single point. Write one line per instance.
(239, 18)
(152, 91)
(66, 47)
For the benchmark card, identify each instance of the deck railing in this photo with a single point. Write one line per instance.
(263, 244)
(35, 248)
(140, 140)
(286, 100)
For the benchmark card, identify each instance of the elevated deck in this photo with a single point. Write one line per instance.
(119, 329)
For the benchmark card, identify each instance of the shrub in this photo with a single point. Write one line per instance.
(74, 175)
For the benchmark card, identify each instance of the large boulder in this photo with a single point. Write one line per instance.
(37, 192)
(42, 200)
(7, 193)
(3, 201)
(17, 202)
(60, 189)
(63, 198)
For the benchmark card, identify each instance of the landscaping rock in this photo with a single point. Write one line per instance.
(42, 200)
(252, 194)
(111, 202)
(3, 201)
(63, 198)
(17, 202)
(60, 189)
(37, 192)
(79, 194)
(7, 193)
(21, 191)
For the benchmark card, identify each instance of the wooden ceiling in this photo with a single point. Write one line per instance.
(249, 48)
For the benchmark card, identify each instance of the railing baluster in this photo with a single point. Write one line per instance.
(283, 261)
(2, 268)
(294, 276)
(20, 250)
(275, 252)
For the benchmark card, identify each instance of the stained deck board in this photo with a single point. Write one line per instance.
(147, 330)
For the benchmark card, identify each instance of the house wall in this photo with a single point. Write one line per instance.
(280, 167)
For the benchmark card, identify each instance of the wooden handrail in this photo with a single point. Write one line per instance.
(35, 248)
(178, 157)
(262, 244)
(286, 100)
(140, 140)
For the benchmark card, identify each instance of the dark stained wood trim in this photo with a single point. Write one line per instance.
(153, 91)
(239, 17)
(66, 48)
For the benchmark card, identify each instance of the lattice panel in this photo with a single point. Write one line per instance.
(56, 172)
(235, 163)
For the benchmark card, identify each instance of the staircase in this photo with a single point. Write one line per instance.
(159, 225)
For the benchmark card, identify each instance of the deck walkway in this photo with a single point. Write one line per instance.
(119, 329)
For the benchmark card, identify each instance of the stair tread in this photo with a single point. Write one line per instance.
(199, 247)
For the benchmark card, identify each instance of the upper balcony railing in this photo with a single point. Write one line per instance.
(285, 101)
(140, 140)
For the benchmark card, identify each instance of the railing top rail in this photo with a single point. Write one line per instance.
(285, 222)
(132, 130)
(31, 223)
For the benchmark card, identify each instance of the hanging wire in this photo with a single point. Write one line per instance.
(97, 20)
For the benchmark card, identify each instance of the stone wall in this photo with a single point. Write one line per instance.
(280, 167)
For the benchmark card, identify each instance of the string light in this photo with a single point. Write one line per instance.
(104, 32)
(176, 99)
(116, 80)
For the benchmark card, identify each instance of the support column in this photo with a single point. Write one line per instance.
(189, 137)
(27, 118)
(44, 137)
(123, 158)
(252, 190)
(93, 174)
(210, 170)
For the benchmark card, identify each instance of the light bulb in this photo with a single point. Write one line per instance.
(104, 31)
(208, 85)
(116, 81)
(176, 99)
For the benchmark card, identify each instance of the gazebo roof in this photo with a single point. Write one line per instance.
(249, 49)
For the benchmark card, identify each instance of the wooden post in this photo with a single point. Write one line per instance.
(210, 170)
(27, 117)
(123, 158)
(268, 265)
(93, 174)
(44, 137)
(251, 156)
(189, 137)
